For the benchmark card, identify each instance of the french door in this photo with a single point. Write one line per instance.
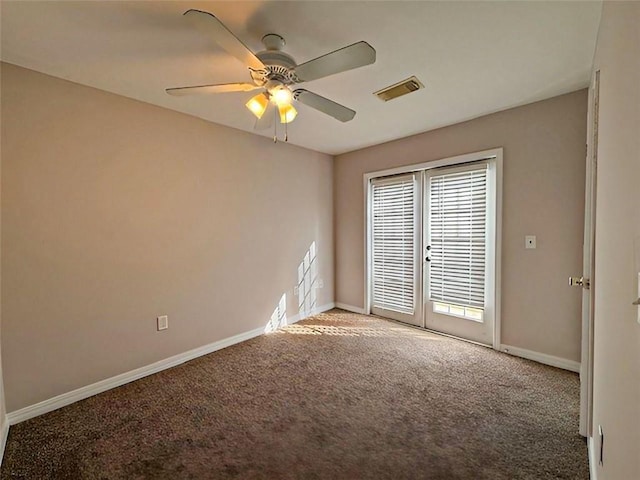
(395, 248)
(457, 252)
(432, 248)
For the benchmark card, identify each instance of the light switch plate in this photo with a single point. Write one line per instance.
(530, 242)
(638, 307)
(163, 322)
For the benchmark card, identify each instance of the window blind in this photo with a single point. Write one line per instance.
(393, 243)
(457, 237)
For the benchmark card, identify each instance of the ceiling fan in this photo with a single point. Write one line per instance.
(274, 72)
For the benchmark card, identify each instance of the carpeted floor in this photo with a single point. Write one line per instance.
(337, 396)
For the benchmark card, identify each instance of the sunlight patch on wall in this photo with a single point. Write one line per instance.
(307, 279)
(279, 316)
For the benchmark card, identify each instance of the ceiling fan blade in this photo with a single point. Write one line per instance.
(331, 108)
(347, 58)
(218, 88)
(266, 121)
(220, 34)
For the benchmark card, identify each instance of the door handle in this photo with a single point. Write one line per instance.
(637, 302)
(579, 282)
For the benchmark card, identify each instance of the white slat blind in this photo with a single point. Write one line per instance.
(457, 236)
(393, 243)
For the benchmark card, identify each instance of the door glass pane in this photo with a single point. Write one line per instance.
(393, 244)
(458, 241)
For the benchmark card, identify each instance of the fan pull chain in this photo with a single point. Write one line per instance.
(275, 125)
(286, 131)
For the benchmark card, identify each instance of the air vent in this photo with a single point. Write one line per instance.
(402, 88)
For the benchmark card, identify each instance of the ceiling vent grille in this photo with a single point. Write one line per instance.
(409, 85)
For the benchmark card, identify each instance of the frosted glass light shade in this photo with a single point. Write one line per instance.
(258, 104)
(287, 113)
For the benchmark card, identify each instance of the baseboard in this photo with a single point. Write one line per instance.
(81, 393)
(350, 308)
(559, 362)
(592, 458)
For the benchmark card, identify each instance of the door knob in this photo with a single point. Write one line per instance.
(579, 282)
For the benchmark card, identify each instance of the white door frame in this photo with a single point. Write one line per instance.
(495, 154)
(588, 262)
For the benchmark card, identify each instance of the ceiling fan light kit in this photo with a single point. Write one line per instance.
(274, 72)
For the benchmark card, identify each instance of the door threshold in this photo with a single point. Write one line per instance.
(424, 329)
(457, 338)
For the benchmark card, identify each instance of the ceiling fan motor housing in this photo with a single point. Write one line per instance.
(279, 65)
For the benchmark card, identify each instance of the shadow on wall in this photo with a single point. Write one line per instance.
(307, 279)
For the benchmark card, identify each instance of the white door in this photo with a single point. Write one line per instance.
(587, 280)
(395, 248)
(459, 251)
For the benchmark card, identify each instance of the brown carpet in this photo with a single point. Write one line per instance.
(337, 396)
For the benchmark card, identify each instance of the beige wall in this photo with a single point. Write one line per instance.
(116, 211)
(617, 334)
(543, 195)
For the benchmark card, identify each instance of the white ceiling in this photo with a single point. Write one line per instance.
(473, 57)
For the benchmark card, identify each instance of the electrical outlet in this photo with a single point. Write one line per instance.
(163, 322)
(530, 242)
(320, 283)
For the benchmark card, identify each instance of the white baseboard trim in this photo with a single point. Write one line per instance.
(591, 446)
(3, 437)
(350, 308)
(81, 393)
(559, 362)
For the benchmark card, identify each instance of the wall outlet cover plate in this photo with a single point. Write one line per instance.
(530, 241)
